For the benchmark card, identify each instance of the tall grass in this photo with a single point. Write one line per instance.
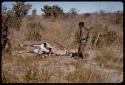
(107, 33)
(15, 22)
(83, 75)
(109, 60)
(34, 32)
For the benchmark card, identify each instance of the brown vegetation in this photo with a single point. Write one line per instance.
(105, 48)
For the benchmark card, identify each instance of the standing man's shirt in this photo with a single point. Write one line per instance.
(84, 34)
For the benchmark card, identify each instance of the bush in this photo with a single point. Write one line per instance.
(34, 35)
(109, 37)
(11, 20)
(102, 36)
(87, 14)
(34, 30)
(54, 10)
(14, 22)
(73, 11)
(20, 8)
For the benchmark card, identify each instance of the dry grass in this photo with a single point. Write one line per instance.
(84, 75)
(15, 23)
(19, 48)
(62, 30)
(36, 70)
(33, 69)
(110, 60)
(24, 70)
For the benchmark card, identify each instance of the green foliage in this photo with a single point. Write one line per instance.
(52, 10)
(20, 8)
(4, 9)
(7, 13)
(9, 17)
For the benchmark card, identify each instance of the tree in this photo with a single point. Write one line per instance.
(52, 10)
(73, 11)
(20, 8)
(56, 10)
(34, 12)
(7, 13)
(4, 9)
(46, 10)
(8, 16)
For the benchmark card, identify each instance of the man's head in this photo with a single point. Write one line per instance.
(81, 24)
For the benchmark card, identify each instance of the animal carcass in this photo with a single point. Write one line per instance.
(42, 48)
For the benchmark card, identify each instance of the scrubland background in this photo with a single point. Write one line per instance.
(105, 49)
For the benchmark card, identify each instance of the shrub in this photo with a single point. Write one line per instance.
(20, 8)
(54, 10)
(15, 22)
(73, 11)
(109, 37)
(87, 14)
(34, 31)
(34, 35)
(9, 17)
(102, 36)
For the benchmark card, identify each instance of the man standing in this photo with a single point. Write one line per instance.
(82, 36)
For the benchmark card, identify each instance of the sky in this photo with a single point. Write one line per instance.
(81, 6)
